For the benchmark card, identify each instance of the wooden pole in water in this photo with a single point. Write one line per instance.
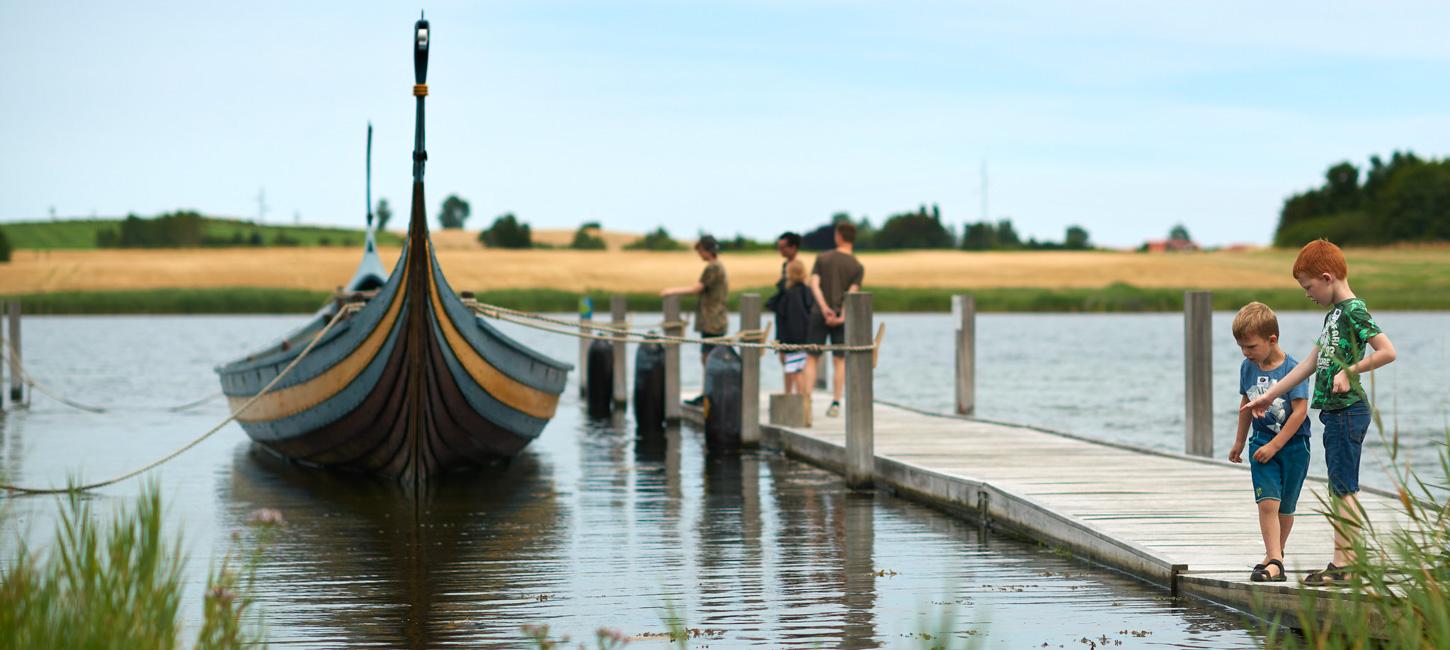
(16, 391)
(749, 373)
(620, 314)
(1198, 372)
(672, 327)
(964, 307)
(860, 393)
(7, 355)
(586, 312)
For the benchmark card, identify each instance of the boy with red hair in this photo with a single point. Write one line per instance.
(1339, 361)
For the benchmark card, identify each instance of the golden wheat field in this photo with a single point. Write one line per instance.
(473, 268)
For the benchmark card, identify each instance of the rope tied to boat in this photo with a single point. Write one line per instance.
(342, 312)
(28, 378)
(500, 312)
(754, 338)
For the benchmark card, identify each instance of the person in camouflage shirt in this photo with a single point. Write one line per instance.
(1339, 360)
(711, 317)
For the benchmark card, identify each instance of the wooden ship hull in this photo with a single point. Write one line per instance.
(410, 385)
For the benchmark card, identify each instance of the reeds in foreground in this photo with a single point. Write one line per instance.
(119, 585)
(1397, 584)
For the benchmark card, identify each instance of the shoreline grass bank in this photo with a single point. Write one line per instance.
(1115, 298)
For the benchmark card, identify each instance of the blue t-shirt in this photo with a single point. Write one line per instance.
(1254, 382)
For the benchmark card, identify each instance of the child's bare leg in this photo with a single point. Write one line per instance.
(1269, 527)
(1286, 524)
(1345, 529)
(789, 385)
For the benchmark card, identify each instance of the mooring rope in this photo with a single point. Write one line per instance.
(754, 338)
(345, 310)
(28, 378)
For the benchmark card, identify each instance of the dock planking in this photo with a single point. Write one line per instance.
(1186, 523)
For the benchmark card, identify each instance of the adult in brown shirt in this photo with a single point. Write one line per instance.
(836, 273)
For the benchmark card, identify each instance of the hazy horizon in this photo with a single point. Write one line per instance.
(751, 118)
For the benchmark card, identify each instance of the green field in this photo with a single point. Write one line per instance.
(80, 234)
(1115, 298)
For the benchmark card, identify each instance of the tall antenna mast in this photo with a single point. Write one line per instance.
(370, 176)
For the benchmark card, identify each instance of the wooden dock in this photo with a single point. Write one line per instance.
(1186, 523)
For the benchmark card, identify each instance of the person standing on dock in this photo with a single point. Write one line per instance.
(788, 244)
(1340, 359)
(711, 317)
(1279, 449)
(836, 273)
(792, 309)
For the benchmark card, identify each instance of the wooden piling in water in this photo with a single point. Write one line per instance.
(7, 355)
(17, 392)
(860, 393)
(750, 373)
(1198, 372)
(584, 342)
(672, 327)
(620, 315)
(964, 308)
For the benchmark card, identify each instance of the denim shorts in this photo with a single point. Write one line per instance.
(1283, 476)
(1344, 431)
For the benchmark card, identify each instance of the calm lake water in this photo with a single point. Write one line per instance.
(594, 527)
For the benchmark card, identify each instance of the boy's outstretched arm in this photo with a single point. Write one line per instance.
(1291, 426)
(1301, 372)
(1235, 455)
(1383, 355)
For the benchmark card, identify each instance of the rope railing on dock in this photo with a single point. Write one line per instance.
(28, 378)
(754, 338)
(336, 318)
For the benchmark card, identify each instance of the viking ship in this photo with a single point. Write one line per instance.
(410, 383)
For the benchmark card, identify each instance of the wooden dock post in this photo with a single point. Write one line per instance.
(860, 393)
(586, 312)
(749, 373)
(16, 390)
(672, 327)
(620, 314)
(964, 309)
(1198, 372)
(6, 355)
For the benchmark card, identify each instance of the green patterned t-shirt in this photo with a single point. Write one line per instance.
(1347, 327)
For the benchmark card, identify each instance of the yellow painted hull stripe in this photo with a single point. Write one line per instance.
(506, 389)
(296, 399)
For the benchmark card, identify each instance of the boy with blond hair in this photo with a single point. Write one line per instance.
(1279, 449)
(1339, 360)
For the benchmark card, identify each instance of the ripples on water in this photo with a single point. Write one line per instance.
(593, 527)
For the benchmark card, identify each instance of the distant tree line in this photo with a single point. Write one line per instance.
(921, 228)
(189, 229)
(1404, 200)
(4, 246)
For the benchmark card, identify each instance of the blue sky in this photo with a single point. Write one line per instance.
(749, 117)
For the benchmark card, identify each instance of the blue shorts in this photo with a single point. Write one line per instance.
(1283, 476)
(1344, 432)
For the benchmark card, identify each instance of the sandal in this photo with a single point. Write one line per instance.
(1330, 575)
(1255, 571)
(1263, 575)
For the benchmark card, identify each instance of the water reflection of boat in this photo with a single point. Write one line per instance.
(366, 561)
(412, 384)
